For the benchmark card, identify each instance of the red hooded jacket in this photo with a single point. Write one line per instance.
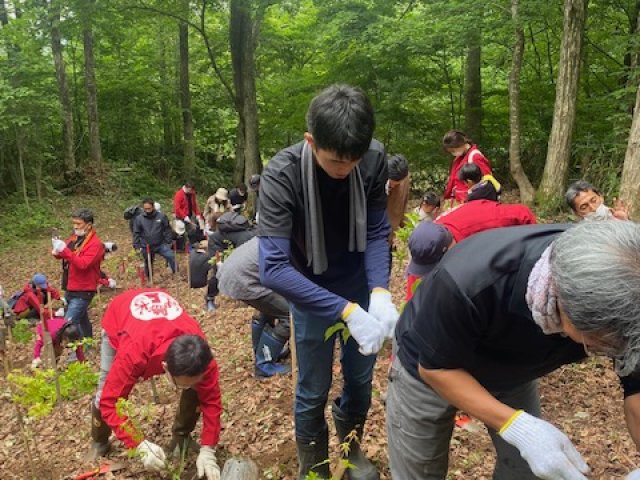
(35, 299)
(181, 204)
(84, 263)
(141, 324)
(456, 189)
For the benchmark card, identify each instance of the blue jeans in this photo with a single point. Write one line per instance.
(315, 365)
(165, 252)
(78, 313)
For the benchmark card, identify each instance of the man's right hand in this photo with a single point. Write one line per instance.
(152, 456)
(547, 450)
(365, 328)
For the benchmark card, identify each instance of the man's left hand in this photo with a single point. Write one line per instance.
(382, 308)
(58, 245)
(206, 464)
(620, 210)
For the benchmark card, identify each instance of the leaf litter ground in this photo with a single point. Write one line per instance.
(584, 400)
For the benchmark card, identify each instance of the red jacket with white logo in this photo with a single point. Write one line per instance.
(480, 215)
(181, 204)
(456, 189)
(141, 324)
(84, 263)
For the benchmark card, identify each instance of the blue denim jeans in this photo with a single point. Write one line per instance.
(315, 365)
(165, 252)
(78, 313)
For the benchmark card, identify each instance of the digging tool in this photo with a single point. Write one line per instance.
(154, 392)
(101, 470)
(174, 244)
(149, 264)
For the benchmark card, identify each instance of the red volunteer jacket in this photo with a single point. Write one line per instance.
(141, 324)
(456, 189)
(181, 204)
(35, 300)
(84, 263)
(480, 215)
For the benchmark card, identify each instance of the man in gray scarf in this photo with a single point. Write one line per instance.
(323, 246)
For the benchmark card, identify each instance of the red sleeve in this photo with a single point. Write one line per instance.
(479, 159)
(211, 405)
(449, 188)
(31, 300)
(528, 217)
(120, 381)
(90, 255)
(180, 205)
(55, 294)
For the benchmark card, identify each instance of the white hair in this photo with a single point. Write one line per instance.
(596, 269)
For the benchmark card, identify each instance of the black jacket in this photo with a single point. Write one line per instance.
(233, 229)
(153, 230)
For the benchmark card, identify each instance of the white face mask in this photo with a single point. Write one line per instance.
(601, 213)
(79, 232)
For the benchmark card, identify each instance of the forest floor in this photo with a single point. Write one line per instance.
(584, 400)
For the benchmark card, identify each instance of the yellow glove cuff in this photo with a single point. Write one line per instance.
(379, 290)
(348, 310)
(508, 423)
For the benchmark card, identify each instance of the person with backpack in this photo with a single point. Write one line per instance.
(152, 235)
(464, 151)
(81, 254)
(32, 300)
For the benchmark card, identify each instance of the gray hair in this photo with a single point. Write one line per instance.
(596, 270)
(575, 189)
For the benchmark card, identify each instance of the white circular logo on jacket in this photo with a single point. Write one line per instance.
(153, 305)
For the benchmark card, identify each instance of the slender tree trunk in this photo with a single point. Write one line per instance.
(242, 39)
(189, 160)
(630, 183)
(527, 191)
(167, 126)
(21, 154)
(63, 89)
(95, 148)
(473, 86)
(564, 115)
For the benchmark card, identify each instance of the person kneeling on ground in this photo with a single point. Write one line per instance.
(480, 186)
(32, 301)
(588, 203)
(62, 333)
(146, 332)
(239, 278)
(429, 208)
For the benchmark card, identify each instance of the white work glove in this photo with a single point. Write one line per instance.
(58, 245)
(381, 306)
(152, 456)
(187, 220)
(549, 452)
(206, 464)
(112, 283)
(35, 363)
(635, 475)
(365, 328)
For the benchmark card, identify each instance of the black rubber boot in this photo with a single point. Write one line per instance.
(313, 456)
(362, 468)
(100, 433)
(184, 423)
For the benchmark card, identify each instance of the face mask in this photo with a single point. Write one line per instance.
(79, 232)
(148, 214)
(601, 213)
(458, 153)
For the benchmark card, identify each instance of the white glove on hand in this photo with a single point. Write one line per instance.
(547, 450)
(381, 306)
(635, 475)
(35, 363)
(152, 456)
(58, 245)
(365, 328)
(206, 464)
(112, 283)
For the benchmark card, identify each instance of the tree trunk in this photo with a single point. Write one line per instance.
(242, 38)
(95, 148)
(527, 191)
(189, 161)
(23, 178)
(473, 86)
(630, 183)
(167, 125)
(63, 89)
(564, 115)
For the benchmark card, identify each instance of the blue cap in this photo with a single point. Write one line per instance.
(428, 243)
(40, 280)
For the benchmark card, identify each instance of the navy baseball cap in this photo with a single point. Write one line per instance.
(428, 243)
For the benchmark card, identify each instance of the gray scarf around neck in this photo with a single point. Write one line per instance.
(313, 225)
